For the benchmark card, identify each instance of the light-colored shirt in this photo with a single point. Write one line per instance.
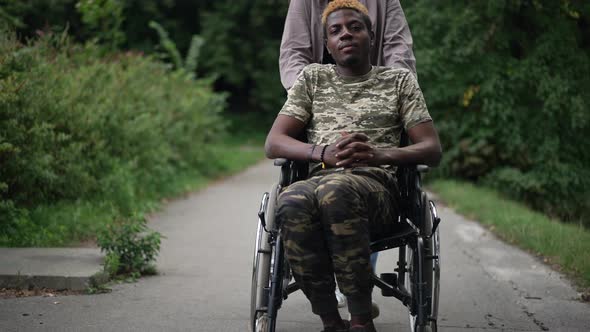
(303, 37)
(379, 104)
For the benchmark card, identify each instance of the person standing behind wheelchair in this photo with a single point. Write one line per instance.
(353, 114)
(303, 43)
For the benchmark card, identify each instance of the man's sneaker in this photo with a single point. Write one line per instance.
(333, 329)
(374, 311)
(369, 327)
(341, 298)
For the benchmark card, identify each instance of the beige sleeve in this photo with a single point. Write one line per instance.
(397, 39)
(295, 52)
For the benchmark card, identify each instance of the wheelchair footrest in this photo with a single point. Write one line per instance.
(391, 279)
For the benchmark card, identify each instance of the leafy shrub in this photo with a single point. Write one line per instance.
(77, 127)
(105, 19)
(130, 248)
(112, 264)
(170, 51)
(508, 83)
(243, 40)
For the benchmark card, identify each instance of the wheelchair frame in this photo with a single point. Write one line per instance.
(416, 283)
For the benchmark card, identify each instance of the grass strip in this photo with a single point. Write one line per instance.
(72, 223)
(564, 246)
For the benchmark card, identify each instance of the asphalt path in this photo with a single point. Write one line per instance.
(206, 264)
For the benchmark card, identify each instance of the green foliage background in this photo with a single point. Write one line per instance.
(507, 81)
(75, 126)
(241, 38)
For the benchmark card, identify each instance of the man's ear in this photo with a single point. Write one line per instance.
(326, 46)
(372, 36)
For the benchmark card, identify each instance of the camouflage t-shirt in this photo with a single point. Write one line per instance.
(379, 104)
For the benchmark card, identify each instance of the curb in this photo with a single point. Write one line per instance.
(53, 282)
(73, 269)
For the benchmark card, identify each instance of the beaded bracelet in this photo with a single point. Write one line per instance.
(322, 156)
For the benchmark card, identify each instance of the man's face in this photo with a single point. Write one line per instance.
(347, 38)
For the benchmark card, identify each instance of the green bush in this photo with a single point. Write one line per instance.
(508, 83)
(75, 127)
(243, 40)
(113, 22)
(105, 19)
(130, 247)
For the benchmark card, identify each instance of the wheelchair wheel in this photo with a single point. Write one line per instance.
(276, 291)
(264, 317)
(434, 244)
(262, 323)
(426, 250)
(262, 265)
(260, 276)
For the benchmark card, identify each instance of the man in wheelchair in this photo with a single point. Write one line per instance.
(352, 115)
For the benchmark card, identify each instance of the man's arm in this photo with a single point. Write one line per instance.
(295, 52)
(281, 140)
(425, 149)
(397, 39)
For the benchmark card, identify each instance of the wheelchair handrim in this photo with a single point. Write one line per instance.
(436, 278)
(409, 284)
(263, 256)
(253, 286)
(434, 267)
(261, 274)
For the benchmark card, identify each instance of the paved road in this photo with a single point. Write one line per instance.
(205, 267)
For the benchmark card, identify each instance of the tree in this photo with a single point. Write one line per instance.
(509, 84)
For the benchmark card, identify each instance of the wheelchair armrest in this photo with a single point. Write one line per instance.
(422, 168)
(280, 161)
(291, 170)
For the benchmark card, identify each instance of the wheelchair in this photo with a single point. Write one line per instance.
(414, 282)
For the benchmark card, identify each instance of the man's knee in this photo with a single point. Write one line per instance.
(337, 189)
(297, 198)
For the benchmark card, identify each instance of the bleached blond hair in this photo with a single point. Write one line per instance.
(342, 4)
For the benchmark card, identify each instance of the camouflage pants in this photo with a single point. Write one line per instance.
(327, 222)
